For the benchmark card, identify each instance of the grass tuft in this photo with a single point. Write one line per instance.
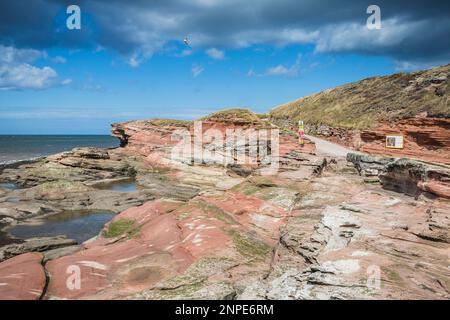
(235, 116)
(121, 227)
(169, 122)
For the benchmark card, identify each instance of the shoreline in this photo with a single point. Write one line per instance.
(13, 164)
(18, 162)
(39, 151)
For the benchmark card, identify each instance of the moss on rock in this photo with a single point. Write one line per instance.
(216, 212)
(249, 246)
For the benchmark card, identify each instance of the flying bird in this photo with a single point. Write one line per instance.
(186, 41)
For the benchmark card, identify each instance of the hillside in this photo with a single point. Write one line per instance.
(366, 103)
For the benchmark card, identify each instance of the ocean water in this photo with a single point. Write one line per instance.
(24, 147)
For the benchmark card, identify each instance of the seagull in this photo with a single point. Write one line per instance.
(186, 41)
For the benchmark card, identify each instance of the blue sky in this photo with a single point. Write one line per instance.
(105, 89)
(58, 87)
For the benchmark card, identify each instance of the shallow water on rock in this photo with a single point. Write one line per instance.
(5, 239)
(9, 186)
(13, 199)
(79, 226)
(124, 186)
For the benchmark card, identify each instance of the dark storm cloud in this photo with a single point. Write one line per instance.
(411, 30)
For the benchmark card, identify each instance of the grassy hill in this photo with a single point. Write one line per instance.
(236, 116)
(363, 104)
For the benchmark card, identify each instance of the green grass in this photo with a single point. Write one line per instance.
(169, 122)
(121, 227)
(235, 116)
(263, 115)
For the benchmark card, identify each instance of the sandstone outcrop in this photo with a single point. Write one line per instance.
(405, 175)
(426, 139)
(34, 245)
(22, 277)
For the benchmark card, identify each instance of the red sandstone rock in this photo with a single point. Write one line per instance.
(171, 237)
(424, 138)
(251, 212)
(438, 188)
(22, 277)
(111, 269)
(289, 143)
(154, 141)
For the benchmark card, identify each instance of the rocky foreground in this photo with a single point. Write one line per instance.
(321, 227)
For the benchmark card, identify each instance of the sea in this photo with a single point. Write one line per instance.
(14, 148)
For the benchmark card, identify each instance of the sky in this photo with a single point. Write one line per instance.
(129, 60)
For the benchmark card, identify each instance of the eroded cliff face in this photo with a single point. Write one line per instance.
(404, 175)
(313, 229)
(424, 138)
(144, 136)
(156, 140)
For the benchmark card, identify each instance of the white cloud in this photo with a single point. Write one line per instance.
(352, 36)
(13, 55)
(99, 48)
(281, 70)
(196, 70)
(276, 37)
(134, 62)
(25, 76)
(59, 59)
(184, 53)
(251, 73)
(408, 66)
(92, 87)
(140, 55)
(216, 54)
(66, 82)
(277, 71)
(16, 72)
